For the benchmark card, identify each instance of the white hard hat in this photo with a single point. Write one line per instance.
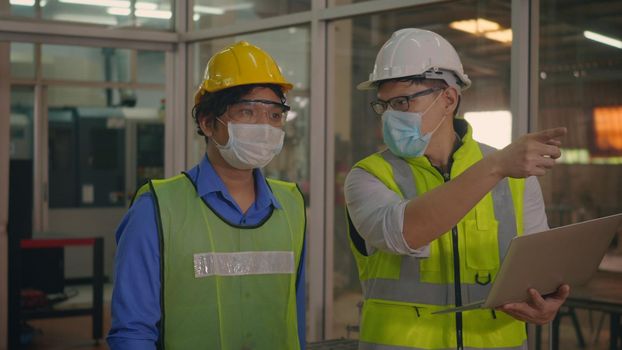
(417, 52)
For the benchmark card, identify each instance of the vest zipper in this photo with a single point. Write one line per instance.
(457, 285)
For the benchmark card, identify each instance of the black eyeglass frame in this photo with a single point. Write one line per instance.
(383, 105)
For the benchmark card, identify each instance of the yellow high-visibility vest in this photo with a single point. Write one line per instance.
(400, 292)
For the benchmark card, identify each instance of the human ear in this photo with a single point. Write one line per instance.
(206, 125)
(451, 98)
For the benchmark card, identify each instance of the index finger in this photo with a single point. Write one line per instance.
(548, 134)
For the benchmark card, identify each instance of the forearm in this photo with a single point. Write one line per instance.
(377, 213)
(430, 215)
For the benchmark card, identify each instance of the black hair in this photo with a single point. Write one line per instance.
(419, 80)
(214, 104)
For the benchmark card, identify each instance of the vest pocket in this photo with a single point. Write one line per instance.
(482, 251)
(407, 325)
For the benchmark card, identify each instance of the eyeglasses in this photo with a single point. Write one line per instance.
(251, 111)
(400, 103)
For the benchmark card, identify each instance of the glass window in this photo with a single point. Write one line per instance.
(580, 65)
(23, 8)
(216, 13)
(579, 87)
(102, 144)
(353, 46)
(22, 60)
(150, 67)
(85, 63)
(122, 13)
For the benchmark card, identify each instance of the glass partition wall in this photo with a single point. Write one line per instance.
(87, 128)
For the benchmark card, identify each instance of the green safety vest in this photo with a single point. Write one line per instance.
(400, 292)
(225, 286)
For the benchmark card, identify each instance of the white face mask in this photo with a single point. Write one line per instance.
(251, 145)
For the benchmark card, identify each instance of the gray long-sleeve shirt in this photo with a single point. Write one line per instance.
(380, 221)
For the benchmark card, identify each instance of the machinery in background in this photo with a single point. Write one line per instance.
(99, 156)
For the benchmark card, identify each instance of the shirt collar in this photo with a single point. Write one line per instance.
(207, 181)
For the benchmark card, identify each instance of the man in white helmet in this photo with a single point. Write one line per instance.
(444, 209)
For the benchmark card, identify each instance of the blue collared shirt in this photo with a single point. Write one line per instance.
(136, 293)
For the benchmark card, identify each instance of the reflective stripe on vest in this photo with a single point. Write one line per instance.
(409, 288)
(243, 263)
(369, 346)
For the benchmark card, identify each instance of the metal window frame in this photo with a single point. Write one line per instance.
(319, 278)
(524, 83)
(180, 71)
(5, 136)
(45, 29)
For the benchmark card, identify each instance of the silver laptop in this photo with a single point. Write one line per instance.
(545, 260)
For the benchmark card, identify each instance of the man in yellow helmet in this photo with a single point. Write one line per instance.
(431, 217)
(213, 258)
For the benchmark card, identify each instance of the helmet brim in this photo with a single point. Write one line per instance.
(366, 85)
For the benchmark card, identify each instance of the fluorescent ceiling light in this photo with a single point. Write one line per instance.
(213, 10)
(196, 17)
(493, 128)
(240, 6)
(23, 2)
(504, 36)
(475, 26)
(603, 39)
(160, 14)
(119, 11)
(42, 3)
(146, 6)
(105, 3)
(210, 10)
(483, 27)
(107, 20)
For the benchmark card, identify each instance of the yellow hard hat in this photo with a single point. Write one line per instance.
(240, 64)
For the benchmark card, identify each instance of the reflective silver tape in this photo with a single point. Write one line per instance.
(243, 263)
(408, 288)
(503, 207)
(370, 346)
(413, 291)
(402, 174)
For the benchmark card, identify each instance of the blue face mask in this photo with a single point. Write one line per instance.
(402, 132)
